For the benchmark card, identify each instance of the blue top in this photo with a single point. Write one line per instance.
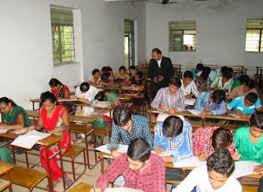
(140, 129)
(238, 105)
(180, 146)
(203, 101)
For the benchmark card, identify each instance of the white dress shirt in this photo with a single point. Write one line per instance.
(199, 178)
(190, 88)
(159, 62)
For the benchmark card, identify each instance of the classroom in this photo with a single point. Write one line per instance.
(131, 96)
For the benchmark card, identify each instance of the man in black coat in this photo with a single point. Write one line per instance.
(160, 70)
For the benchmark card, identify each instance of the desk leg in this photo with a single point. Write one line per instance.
(102, 165)
(14, 154)
(87, 150)
(62, 168)
(50, 182)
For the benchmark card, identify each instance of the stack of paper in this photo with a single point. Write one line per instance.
(189, 162)
(189, 102)
(243, 168)
(121, 149)
(194, 112)
(28, 140)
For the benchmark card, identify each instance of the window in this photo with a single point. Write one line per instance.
(62, 36)
(182, 36)
(129, 43)
(254, 35)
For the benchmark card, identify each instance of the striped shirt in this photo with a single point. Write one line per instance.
(171, 101)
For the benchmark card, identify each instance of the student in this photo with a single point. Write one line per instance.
(188, 85)
(244, 105)
(170, 98)
(208, 139)
(239, 81)
(247, 86)
(202, 83)
(95, 78)
(211, 103)
(54, 119)
(216, 176)
(122, 74)
(106, 79)
(249, 140)
(108, 96)
(108, 69)
(58, 89)
(140, 168)
(225, 81)
(132, 71)
(137, 79)
(198, 70)
(174, 137)
(127, 127)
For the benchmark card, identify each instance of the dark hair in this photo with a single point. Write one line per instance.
(200, 67)
(243, 79)
(54, 82)
(204, 76)
(223, 69)
(139, 150)
(207, 70)
(250, 83)
(172, 126)
(227, 73)
(122, 68)
(257, 120)
(95, 71)
(121, 115)
(188, 74)
(100, 96)
(221, 162)
(218, 96)
(252, 97)
(139, 74)
(106, 69)
(6, 101)
(175, 81)
(105, 76)
(48, 96)
(132, 68)
(156, 50)
(221, 138)
(84, 87)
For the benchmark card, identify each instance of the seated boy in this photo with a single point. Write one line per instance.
(249, 140)
(244, 105)
(214, 177)
(127, 127)
(188, 85)
(140, 169)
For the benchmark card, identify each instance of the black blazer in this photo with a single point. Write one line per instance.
(166, 69)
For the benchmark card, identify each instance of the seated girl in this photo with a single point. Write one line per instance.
(207, 140)
(225, 81)
(58, 89)
(211, 103)
(137, 79)
(244, 106)
(106, 79)
(140, 168)
(13, 118)
(249, 140)
(132, 71)
(54, 119)
(122, 74)
(95, 78)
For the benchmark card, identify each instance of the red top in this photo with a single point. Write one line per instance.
(151, 179)
(51, 123)
(61, 92)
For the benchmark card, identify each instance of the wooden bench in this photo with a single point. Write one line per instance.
(25, 177)
(81, 187)
(4, 185)
(73, 153)
(249, 188)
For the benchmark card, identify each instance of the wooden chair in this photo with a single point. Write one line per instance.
(4, 185)
(72, 154)
(81, 187)
(25, 177)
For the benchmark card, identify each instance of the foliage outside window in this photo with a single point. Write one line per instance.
(182, 36)
(62, 36)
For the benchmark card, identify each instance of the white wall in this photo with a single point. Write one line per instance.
(220, 32)
(26, 43)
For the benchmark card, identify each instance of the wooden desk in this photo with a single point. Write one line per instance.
(72, 118)
(128, 88)
(188, 114)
